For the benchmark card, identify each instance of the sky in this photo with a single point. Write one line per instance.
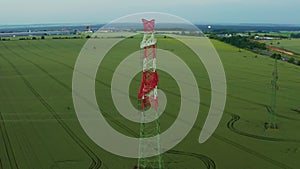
(103, 11)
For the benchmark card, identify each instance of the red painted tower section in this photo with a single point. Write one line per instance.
(148, 88)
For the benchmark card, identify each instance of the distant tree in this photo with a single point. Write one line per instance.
(291, 60)
(42, 37)
(33, 38)
(88, 37)
(213, 36)
(298, 62)
(242, 42)
(276, 55)
(278, 43)
(295, 35)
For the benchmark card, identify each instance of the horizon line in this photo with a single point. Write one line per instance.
(195, 23)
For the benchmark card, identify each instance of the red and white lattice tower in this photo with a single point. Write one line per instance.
(148, 98)
(148, 88)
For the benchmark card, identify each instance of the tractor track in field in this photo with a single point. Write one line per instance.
(280, 115)
(219, 137)
(1, 166)
(133, 97)
(247, 150)
(252, 152)
(96, 161)
(296, 110)
(107, 85)
(69, 67)
(231, 127)
(204, 88)
(209, 163)
(69, 88)
(8, 147)
(97, 80)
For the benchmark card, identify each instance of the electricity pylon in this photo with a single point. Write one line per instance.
(272, 110)
(148, 98)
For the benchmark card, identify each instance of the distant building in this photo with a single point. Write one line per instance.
(225, 35)
(242, 35)
(263, 38)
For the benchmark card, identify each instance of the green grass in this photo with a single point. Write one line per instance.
(39, 128)
(292, 45)
(286, 34)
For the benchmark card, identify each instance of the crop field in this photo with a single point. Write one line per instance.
(292, 45)
(286, 34)
(39, 128)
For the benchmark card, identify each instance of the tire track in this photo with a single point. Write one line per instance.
(252, 152)
(231, 127)
(131, 96)
(104, 68)
(8, 147)
(70, 89)
(69, 67)
(1, 166)
(246, 149)
(200, 87)
(219, 137)
(296, 110)
(97, 80)
(280, 115)
(96, 162)
(208, 162)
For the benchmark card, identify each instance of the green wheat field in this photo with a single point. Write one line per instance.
(39, 128)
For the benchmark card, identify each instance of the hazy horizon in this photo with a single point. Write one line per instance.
(103, 23)
(14, 12)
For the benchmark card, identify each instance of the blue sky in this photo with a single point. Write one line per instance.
(196, 11)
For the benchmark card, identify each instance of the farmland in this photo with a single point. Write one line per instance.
(287, 44)
(39, 127)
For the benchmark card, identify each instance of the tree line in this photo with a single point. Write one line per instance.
(295, 35)
(240, 42)
(255, 46)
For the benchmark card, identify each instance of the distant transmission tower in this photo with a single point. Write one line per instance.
(272, 110)
(148, 98)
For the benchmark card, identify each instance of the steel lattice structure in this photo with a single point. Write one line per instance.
(274, 83)
(148, 98)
